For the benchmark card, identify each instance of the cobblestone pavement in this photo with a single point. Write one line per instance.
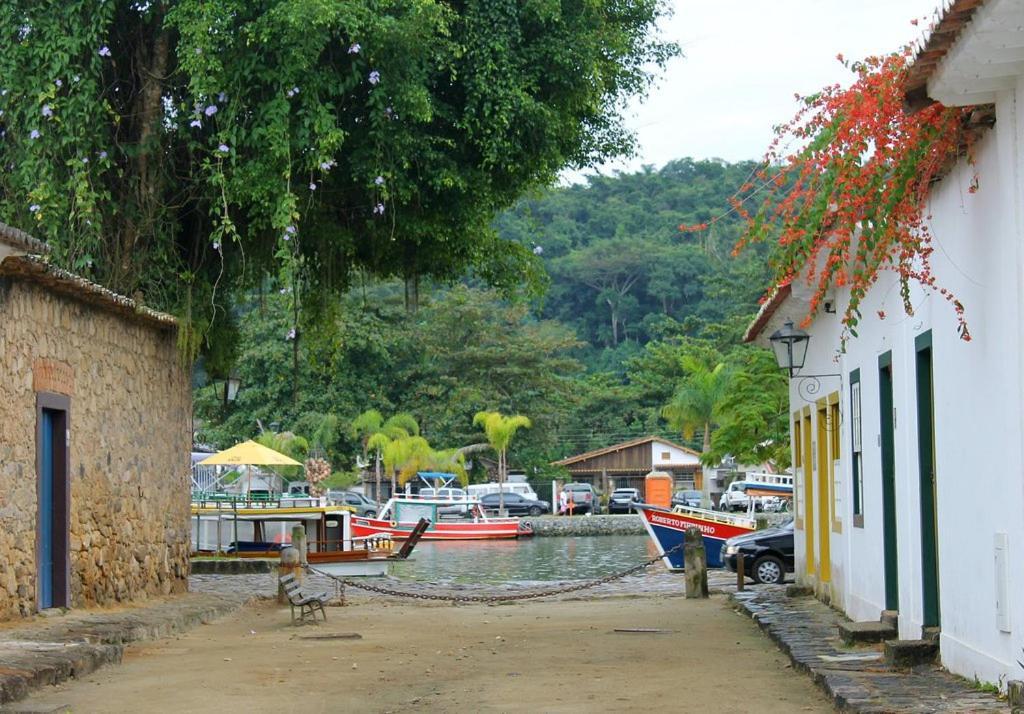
(50, 649)
(660, 582)
(856, 679)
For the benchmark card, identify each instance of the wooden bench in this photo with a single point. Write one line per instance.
(307, 603)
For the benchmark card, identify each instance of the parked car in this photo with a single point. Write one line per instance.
(583, 497)
(515, 505)
(524, 489)
(767, 554)
(689, 498)
(736, 498)
(622, 500)
(363, 506)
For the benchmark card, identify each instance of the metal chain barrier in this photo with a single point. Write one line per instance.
(530, 595)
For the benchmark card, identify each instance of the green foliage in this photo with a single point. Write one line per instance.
(468, 350)
(695, 403)
(463, 351)
(186, 148)
(622, 272)
(753, 412)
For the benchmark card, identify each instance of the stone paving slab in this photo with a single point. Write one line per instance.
(856, 679)
(49, 650)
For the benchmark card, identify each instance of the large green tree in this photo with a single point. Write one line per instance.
(179, 148)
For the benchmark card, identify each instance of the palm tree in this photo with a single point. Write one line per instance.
(696, 400)
(499, 430)
(377, 433)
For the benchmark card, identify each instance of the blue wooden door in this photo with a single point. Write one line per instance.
(46, 508)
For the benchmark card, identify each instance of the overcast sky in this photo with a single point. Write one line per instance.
(744, 59)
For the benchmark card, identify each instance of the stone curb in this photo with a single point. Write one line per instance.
(806, 631)
(51, 651)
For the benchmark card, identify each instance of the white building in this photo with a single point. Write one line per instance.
(909, 457)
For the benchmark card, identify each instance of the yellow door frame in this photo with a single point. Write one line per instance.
(808, 489)
(824, 477)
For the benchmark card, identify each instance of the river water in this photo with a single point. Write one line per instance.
(527, 560)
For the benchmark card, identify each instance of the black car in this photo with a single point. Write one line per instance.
(515, 505)
(767, 554)
(687, 498)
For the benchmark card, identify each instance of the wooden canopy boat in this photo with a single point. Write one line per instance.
(261, 530)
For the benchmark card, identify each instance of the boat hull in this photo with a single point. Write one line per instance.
(667, 529)
(493, 529)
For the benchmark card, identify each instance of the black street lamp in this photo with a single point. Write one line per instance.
(790, 346)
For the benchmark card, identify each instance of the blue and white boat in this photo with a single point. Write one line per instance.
(667, 529)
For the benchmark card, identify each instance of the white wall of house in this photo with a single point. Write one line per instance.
(665, 454)
(979, 410)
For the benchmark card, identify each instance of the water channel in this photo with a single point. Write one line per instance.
(528, 560)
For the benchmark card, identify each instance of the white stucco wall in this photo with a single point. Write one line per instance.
(677, 456)
(979, 397)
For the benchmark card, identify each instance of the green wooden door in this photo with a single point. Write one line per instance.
(926, 466)
(887, 426)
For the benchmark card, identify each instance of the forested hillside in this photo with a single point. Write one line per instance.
(634, 305)
(622, 273)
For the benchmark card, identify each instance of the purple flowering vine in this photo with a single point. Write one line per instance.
(34, 134)
(354, 48)
(374, 77)
(210, 110)
(104, 51)
(378, 209)
(223, 148)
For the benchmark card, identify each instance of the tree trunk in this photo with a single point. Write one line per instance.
(501, 482)
(376, 493)
(148, 110)
(615, 323)
(705, 490)
(412, 293)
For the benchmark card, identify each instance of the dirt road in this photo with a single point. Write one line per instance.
(540, 656)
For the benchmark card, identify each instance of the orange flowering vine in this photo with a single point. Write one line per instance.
(851, 202)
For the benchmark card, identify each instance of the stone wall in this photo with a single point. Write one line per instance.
(130, 414)
(626, 524)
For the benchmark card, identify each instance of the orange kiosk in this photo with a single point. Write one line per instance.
(658, 487)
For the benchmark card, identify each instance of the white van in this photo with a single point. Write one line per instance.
(478, 490)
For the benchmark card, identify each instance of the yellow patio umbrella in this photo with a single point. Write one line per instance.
(249, 453)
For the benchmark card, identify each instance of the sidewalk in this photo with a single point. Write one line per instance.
(49, 650)
(855, 679)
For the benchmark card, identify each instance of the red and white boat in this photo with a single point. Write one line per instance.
(400, 515)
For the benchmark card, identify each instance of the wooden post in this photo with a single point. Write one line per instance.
(288, 565)
(696, 564)
(299, 543)
(740, 576)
